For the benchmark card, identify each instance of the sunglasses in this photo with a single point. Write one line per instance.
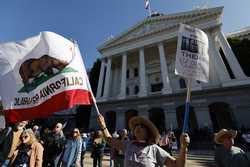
(24, 137)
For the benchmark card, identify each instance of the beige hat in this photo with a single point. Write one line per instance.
(218, 137)
(151, 127)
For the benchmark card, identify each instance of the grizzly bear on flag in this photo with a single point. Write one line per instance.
(33, 68)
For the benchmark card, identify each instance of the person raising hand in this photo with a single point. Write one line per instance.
(142, 150)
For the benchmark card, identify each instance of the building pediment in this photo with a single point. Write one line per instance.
(153, 25)
(241, 34)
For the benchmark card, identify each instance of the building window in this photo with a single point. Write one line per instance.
(127, 90)
(136, 90)
(135, 72)
(127, 73)
(182, 83)
(156, 87)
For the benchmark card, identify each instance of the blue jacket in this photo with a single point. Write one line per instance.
(72, 152)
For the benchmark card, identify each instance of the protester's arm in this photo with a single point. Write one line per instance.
(117, 144)
(180, 161)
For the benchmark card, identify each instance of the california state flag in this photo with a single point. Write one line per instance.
(41, 75)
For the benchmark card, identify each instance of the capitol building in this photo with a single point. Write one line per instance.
(137, 76)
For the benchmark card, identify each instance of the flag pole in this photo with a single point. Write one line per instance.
(187, 107)
(149, 8)
(87, 81)
(93, 98)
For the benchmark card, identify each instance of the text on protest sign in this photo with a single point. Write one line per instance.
(192, 60)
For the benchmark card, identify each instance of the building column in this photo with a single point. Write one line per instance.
(142, 70)
(170, 119)
(231, 59)
(216, 59)
(167, 123)
(120, 120)
(164, 71)
(203, 117)
(107, 79)
(100, 81)
(122, 94)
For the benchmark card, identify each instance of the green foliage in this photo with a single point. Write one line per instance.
(241, 49)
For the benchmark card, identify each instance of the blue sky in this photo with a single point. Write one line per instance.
(90, 22)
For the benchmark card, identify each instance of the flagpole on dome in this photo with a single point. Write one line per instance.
(148, 7)
(87, 80)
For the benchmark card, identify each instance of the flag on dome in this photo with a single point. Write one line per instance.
(146, 4)
(41, 75)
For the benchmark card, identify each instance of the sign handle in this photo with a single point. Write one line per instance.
(187, 107)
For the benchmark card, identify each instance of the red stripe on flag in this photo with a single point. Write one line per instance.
(59, 102)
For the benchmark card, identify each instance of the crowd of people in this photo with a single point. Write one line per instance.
(22, 145)
(26, 147)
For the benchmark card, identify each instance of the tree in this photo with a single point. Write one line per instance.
(94, 75)
(84, 111)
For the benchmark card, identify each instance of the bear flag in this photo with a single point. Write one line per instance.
(41, 75)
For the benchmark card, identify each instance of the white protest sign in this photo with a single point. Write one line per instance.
(192, 60)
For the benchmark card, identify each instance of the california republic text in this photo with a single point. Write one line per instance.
(49, 89)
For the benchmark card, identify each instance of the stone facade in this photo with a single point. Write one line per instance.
(137, 77)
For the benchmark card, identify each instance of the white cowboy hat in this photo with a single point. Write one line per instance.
(150, 126)
(218, 137)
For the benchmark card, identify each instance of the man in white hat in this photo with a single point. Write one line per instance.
(228, 155)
